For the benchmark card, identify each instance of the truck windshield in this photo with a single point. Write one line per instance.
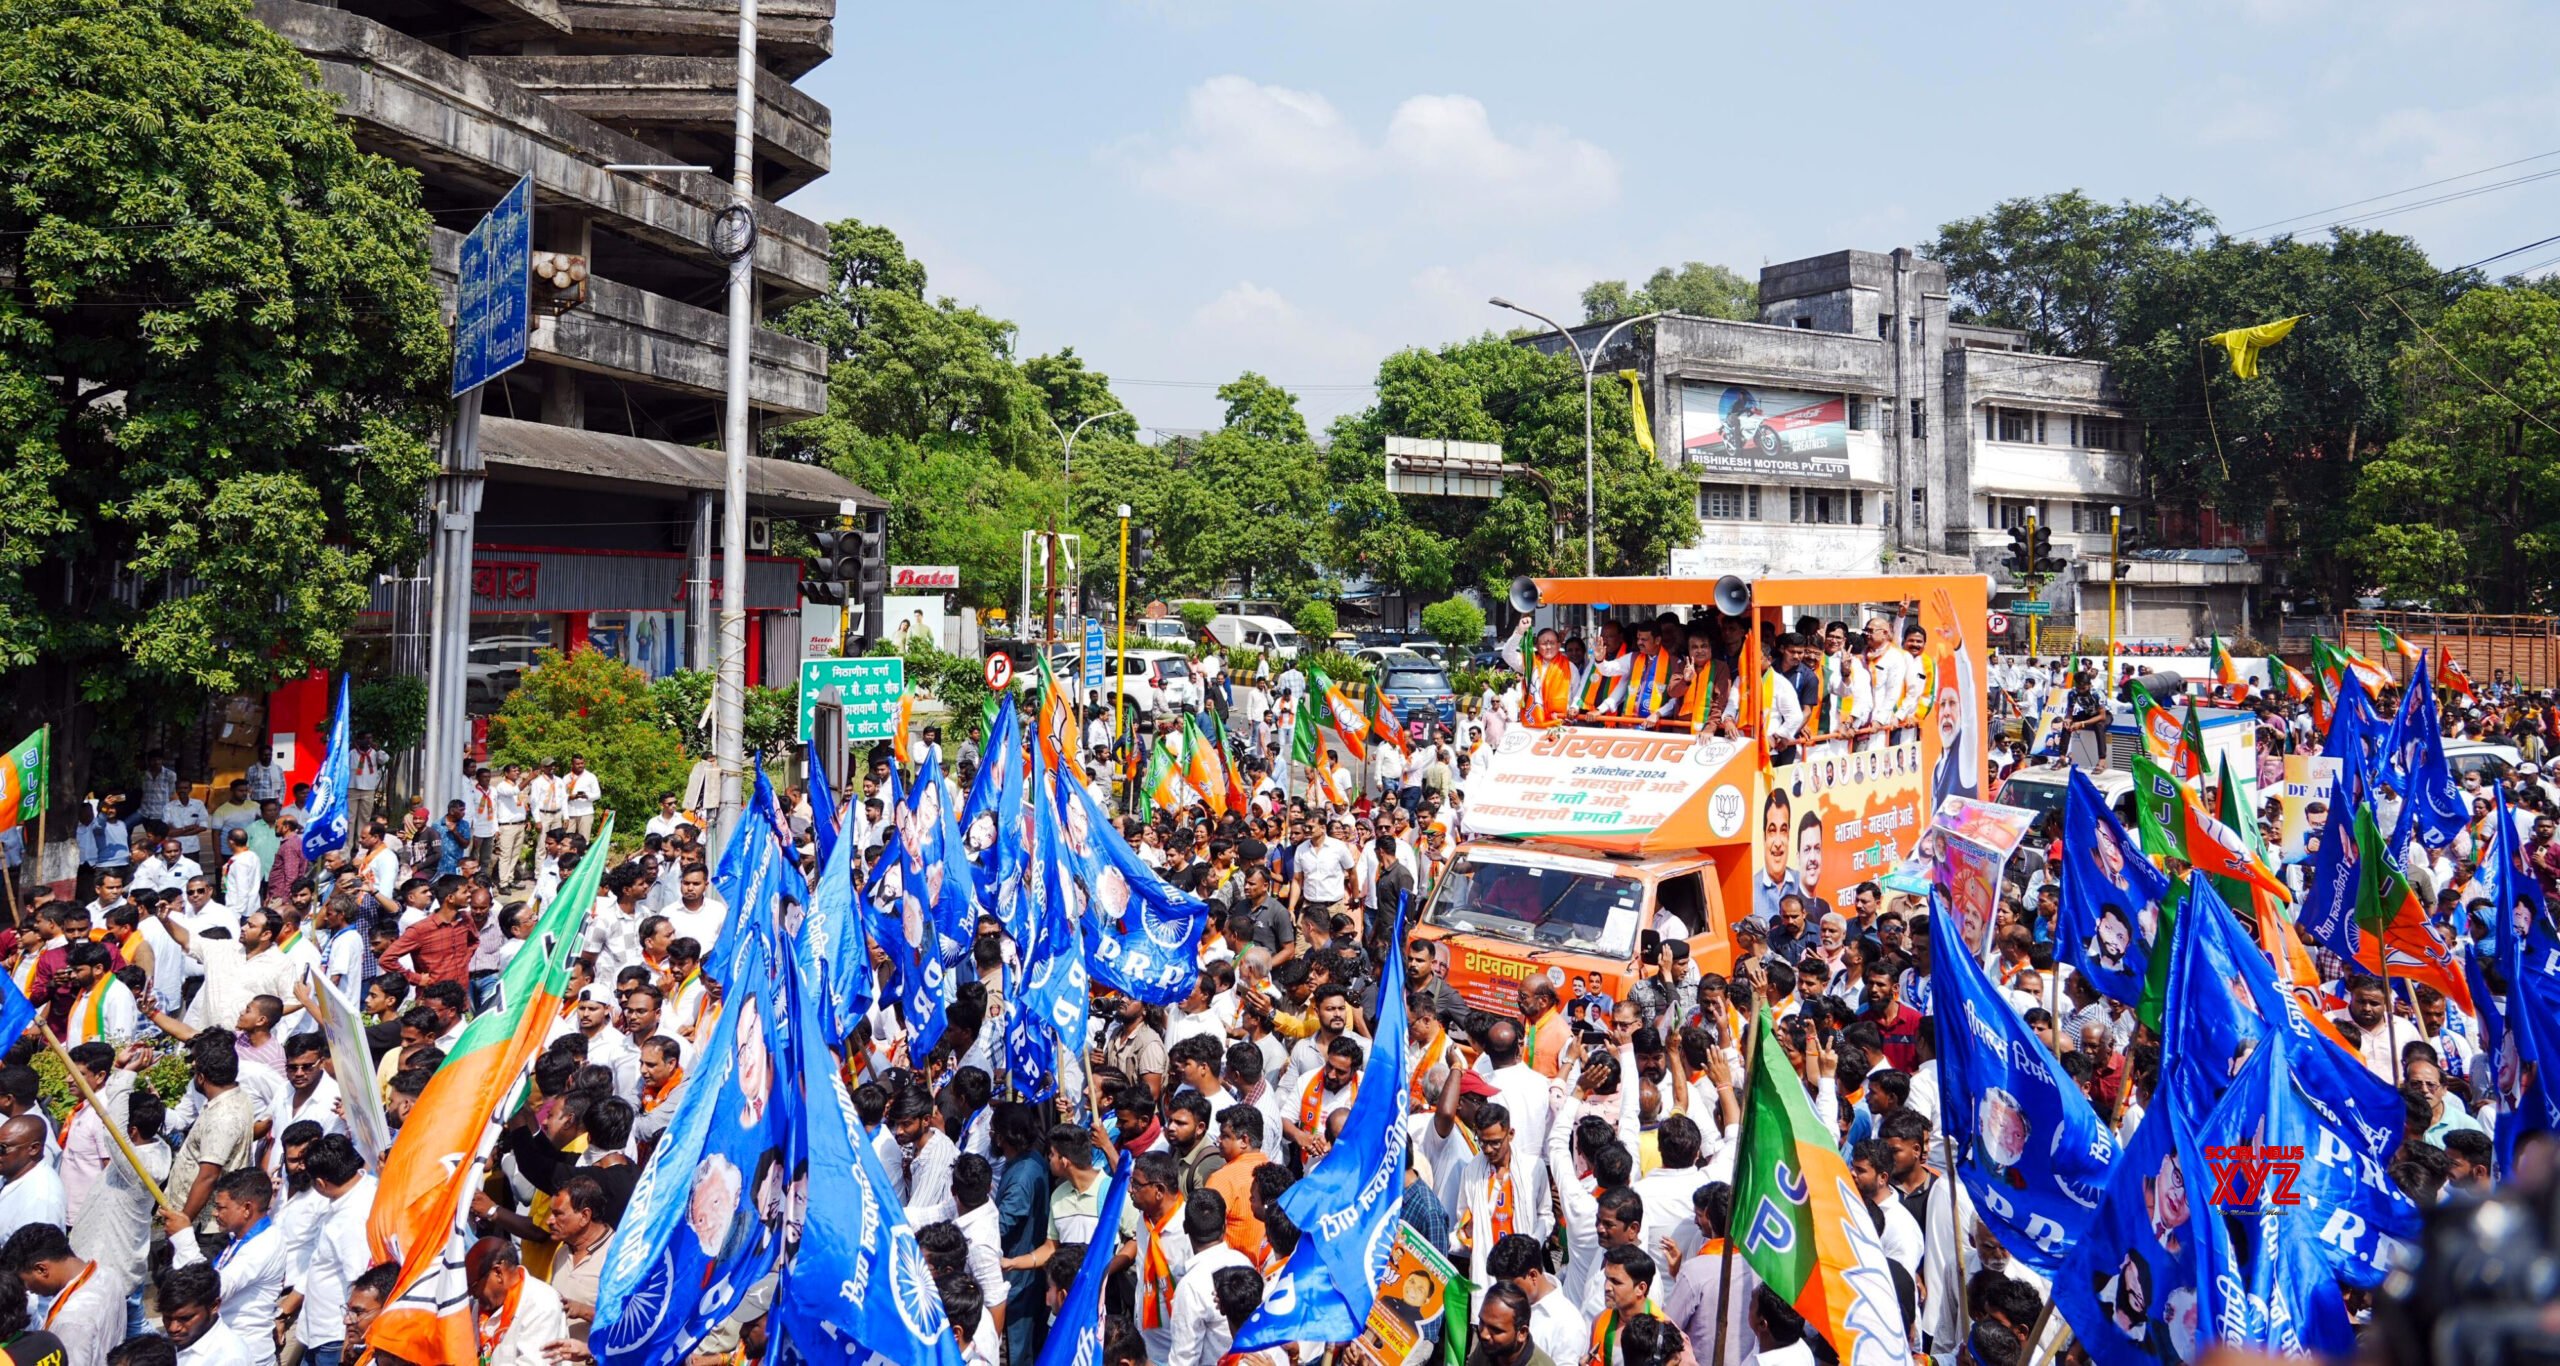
(1539, 904)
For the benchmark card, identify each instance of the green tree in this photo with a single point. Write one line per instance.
(1317, 623)
(1074, 393)
(1529, 402)
(683, 700)
(219, 353)
(1455, 622)
(2463, 509)
(588, 703)
(1696, 288)
(2324, 398)
(2061, 266)
(1196, 617)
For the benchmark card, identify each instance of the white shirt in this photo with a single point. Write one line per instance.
(186, 811)
(232, 978)
(36, 1197)
(541, 1320)
(252, 1272)
(582, 795)
(220, 1346)
(613, 936)
(1323, 864)
(510, 801)
(89, 1318)
(338, 1256)
(266, 782)
(701, 926)
(365, 768)
(923, 1178)
(549, 794)
(244, 883)
(1200, 1332)
(1555, 1325)
(1177, 1260)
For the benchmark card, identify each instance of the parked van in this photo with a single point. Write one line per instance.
(1161, 633)
(1270, 635)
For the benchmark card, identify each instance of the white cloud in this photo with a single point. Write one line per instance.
(1270, 155)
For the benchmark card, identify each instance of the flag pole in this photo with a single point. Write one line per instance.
(106, 1117)
(35, 856)
(2390, 998)
(1955, 1221)
(1724, 1272)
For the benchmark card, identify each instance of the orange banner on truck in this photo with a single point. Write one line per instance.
(1615, 789)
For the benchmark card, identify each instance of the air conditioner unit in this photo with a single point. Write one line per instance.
(759, 534)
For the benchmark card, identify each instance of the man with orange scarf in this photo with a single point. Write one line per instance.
(1546, 677)
(1164, 1246)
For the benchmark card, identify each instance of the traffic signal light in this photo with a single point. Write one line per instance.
(1144, 548)
(827, 575)
(2040, 556)
(870, 577)
(2021, 555)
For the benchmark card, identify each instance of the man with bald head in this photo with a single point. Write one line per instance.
(30, 1190)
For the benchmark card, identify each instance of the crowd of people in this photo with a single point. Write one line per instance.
(1573, 1164)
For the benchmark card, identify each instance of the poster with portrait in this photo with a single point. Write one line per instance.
(1420, 1295)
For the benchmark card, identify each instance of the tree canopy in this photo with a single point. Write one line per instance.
(220, 348)
(2061, 266)
(1696, 288)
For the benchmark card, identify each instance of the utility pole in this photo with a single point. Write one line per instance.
(1120, 671)
(734, 235)
(2115, 571)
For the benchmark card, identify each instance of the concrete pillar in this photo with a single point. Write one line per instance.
(454, 504)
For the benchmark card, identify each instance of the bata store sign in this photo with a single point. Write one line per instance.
(923, 578)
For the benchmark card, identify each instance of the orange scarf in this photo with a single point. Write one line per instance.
(1311, 1104)
(1546, 692)
(1504, 1218)
(657, 1095)
(493, 1327)
(1155, 1273)
(68, 1291)
(1430, 1060)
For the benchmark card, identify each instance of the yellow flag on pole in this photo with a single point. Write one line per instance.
(1635, 408)
(2244, 343)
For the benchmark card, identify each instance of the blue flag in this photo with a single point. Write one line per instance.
(328, 825)
(2221, 992)
(2128, 1287)
(2431, 805)
(837, 929)
(992, 826)
(1347, 1209)
(2111, 896)
(1142, 937)
(856, 1287)
(1075, 1335)
(1055, 994)
(2032, 1151)
(758, 870)
(936, 850)
(906, 894)
(2529, 1050)
(822, 807)
(16, 1012)
(711, 1214)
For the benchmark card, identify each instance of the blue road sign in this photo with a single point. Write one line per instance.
(492, 322)
(1095, 647)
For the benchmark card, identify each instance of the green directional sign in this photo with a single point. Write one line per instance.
(2029, 608)
(867, 686)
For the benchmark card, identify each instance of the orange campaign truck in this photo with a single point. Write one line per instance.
(1583, 837)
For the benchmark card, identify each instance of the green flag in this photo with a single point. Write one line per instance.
(28, 779)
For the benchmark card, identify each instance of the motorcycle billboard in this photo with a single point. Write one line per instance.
(1743, 429)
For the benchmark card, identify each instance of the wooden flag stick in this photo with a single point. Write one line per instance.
(1724, 1271)
(106, 1117)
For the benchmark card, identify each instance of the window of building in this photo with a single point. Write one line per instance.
(1729, 502)
(1803, 323)
(2010, 513)
(1919, 419)
(2015, 424)
(1884, 326)
(2105, 434)
(1860, 419)
(1918, 333)
(1827, 507)
(1919, 509)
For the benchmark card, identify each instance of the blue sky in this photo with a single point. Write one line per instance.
(1186, 189)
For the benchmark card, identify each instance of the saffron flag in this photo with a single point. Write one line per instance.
(2392, 922)
(421, 1214)
(1384, 725)
(1804, 1228)
(2176, 825)
(26, 779)
(1201, 770)
(327, 827)
(2109, 919)
(1343, 717)
(2329, 663)
(2295, 684)
(2244, 343)
(707, 1220)
(2031, 1150)
(2163, 738)
(2227, 672)
(2392, 641)
(2457, 678)
(1348, 1207)
(1057, 715)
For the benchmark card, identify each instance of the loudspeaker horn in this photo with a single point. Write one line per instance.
(1733, 595)
(1524, 594)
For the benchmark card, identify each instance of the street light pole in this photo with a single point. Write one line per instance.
(1120, 670)
(729, 721)
(1588, 360)
(1066, 506)
(2115, 571)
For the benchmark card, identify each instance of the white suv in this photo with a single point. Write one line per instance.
(1155, 678)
